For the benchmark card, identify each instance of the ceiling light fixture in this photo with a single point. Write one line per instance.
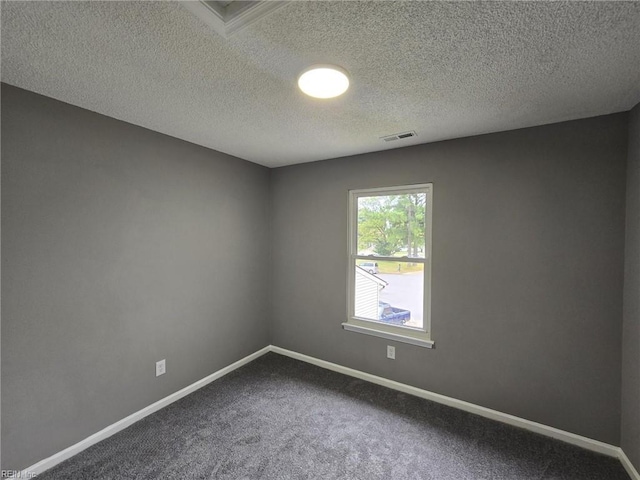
(323, 81)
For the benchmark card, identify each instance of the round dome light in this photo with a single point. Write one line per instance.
(323, 81)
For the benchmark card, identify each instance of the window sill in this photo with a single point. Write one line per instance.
(420, 342)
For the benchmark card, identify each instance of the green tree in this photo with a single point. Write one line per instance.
(412, 222)
(392, 223)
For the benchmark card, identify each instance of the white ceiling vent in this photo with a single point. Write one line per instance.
(399, 136)
(229, 16)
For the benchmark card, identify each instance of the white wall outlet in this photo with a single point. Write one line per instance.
(391, 352)
(161, 367)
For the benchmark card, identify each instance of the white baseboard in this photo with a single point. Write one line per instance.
(628, 466)
(572, 438)
(59, 457)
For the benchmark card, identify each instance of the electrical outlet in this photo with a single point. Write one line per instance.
(161, 368)
(391, 352)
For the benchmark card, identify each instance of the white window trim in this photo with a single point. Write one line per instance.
(414, 336)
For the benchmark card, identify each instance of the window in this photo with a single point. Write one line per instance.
(389, 271)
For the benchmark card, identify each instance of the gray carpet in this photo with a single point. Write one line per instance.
(278, 418)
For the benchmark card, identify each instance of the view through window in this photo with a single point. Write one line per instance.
(390, 256)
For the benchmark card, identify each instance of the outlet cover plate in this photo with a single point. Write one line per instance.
(161, 367)
(391, 352)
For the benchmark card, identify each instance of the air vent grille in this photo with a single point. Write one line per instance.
(399, 136)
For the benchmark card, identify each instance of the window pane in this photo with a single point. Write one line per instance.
(392, 225)
(389, 292)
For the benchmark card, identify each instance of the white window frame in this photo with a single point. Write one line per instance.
(412, 335)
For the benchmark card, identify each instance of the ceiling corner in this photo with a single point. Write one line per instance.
(229, 17)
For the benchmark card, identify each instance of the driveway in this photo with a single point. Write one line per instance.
(405, 291)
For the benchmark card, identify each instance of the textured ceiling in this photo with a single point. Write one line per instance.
(445, 70)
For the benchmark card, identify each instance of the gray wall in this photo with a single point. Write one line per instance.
(528, 243)
(631, 322)
(120, 247)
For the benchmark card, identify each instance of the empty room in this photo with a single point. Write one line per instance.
(320, 240)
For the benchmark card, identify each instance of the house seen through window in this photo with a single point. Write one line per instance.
(390, 262)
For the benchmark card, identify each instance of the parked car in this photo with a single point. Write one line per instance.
(389, 314)
(371, 267)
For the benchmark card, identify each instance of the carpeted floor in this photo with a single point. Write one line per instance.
(279, 418)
